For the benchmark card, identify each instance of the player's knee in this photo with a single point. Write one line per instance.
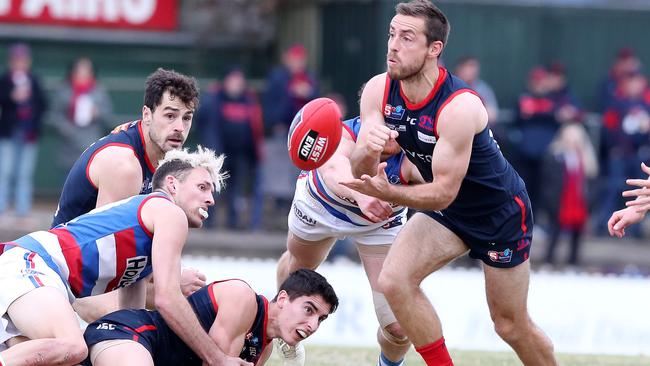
(396, 331)
(60, 351)
(75, 350)
(389, 285)
(509, 329)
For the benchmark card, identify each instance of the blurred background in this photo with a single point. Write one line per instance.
(564, 82)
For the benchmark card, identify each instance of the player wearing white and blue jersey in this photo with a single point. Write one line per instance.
(112, 247)
(324, 211)
(121, 165)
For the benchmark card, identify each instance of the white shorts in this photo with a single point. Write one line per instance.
(310, 221)
(22, 271)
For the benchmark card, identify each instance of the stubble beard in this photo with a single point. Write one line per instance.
(407, 72)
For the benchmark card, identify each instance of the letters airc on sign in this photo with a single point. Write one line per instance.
(133, 14)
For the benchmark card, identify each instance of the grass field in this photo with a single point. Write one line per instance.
(342, 356)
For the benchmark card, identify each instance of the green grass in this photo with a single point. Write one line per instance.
(344, 356)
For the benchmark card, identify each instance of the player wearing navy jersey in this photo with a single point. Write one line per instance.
(473, 199)
(95, 179)
(324, 211)
(241, 322)
(115, 246)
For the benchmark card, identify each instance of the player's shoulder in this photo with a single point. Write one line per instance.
(377, 81)
(236, 291)
(465, 106)
(118, 157)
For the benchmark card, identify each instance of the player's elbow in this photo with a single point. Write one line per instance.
(164, 303)
(441, 200)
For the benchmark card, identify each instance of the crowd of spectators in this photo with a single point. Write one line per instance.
(556, 149)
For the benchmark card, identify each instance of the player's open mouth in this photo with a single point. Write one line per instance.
(203, 213)
(301, 333)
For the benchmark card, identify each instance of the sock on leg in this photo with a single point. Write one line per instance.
(435, 354)
(383, 361)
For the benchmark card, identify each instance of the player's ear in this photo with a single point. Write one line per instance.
(282, 299)
(146, 115)
(170, 183)
(435, 48)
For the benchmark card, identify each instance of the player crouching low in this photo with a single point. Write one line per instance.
(241, 322)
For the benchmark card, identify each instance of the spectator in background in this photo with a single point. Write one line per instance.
(81, 112)
(468, 69)
(626, 63)
(537, 123)
(22, 103)
(569, 164)
(289, 87)
(231, 122)
(340, 102)
(567, 107)
(625, 140)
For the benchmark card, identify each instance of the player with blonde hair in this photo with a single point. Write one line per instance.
(113, 247)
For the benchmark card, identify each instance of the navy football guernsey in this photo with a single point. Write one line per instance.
(490, 181)
(79, 194)
(150, 329)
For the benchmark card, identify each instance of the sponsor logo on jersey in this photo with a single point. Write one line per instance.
(412, 121)
(106, 326)
(394, 112)
(312, 147)
(303, 217)
(397, 221)
(422, 157)
(426, 138)
(134, 266)
(147, 186)
(426, 123)
(398, 128)
(394, 179)
(500, 257)
(251, 343)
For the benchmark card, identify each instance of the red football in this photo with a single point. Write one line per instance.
(314, 134)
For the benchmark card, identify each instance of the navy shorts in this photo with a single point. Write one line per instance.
(146, 328)
(501, 238)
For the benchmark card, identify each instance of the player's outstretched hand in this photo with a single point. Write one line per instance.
(374, 208)
(376, 186)
(191, 280)
(378, 136)
(622, 219)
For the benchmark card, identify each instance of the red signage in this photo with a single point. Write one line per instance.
(127, 14)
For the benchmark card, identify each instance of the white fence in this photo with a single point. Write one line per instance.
(581, 313)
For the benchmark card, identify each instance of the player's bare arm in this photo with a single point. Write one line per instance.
(457, 124)
(371, 141)
(115, 181)
(133, 296)
(169, 224)
(337, 169)
(410, 172)
(237, 310)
